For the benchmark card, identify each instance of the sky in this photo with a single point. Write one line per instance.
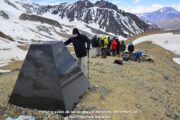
(133, 6)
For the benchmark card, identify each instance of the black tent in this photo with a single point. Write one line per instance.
(50, 79)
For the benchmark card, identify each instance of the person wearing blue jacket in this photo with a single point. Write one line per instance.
(137, 56)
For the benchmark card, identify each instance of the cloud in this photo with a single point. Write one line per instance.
(133, 8)
(143, 9)
(177, 6)
(136, 1)
(47, 2)
(146, 9)
(116, 1)
(24, 1)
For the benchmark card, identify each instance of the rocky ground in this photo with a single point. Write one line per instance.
(134, 91)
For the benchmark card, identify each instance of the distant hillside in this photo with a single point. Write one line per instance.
(166, 18)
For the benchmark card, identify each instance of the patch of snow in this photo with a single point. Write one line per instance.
(168, 41)
(5, 71)
(10, 52)
(177, 60)
(3, 63)
(12, 12)
(161, 10)
(5, 44)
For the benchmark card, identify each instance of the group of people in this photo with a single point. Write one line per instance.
(101, 46)
(107, 46)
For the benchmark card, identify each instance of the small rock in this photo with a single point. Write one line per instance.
(93, 88)
(45, 118)
(168, 78)
(138, 105)
(24, 112)
(16, 112)
(65, 118)
(166, 42)
(1, 110)
(57, 117)
(172, 113)
(102, 98)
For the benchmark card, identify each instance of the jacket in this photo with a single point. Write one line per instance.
(95, 42)
(104, 41)
(137, 54)
(122, 47)
(114, 45)
(131, 48)
(79, 44)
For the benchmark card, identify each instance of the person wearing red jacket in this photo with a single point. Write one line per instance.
(114, 45)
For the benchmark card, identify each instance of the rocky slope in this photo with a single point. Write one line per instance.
(101, 14)
(36, 18)
(150, 90)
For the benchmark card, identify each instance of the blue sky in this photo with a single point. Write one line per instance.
(134, 6)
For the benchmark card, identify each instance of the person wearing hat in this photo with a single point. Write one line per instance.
(104, 43)
(131, 50)
(95, 45)
(81, 45)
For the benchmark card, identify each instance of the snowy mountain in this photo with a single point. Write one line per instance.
(163, 18)
(102, 14)
(18, 30)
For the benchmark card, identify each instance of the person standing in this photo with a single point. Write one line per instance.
(122, 48)
(131, 50)
(104, 43)
(95, 45)
(99, 47)
(81, 45)
(114, 47)
(118, 44)
(109, 46)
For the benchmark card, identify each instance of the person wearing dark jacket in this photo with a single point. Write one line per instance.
(118, 44)
(81, 45)
(99, 47)
(109, 47)
(122, 48)
(95, 44)
(131, 50)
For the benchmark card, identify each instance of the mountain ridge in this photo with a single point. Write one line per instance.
(161, 16)
(104, 14)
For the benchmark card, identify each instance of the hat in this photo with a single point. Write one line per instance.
(75, 31)
(130, 43)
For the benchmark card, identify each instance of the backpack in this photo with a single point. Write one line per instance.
(126, 56)
(102, 43)
(119, 62)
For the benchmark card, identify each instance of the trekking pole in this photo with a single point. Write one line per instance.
(88, 64)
